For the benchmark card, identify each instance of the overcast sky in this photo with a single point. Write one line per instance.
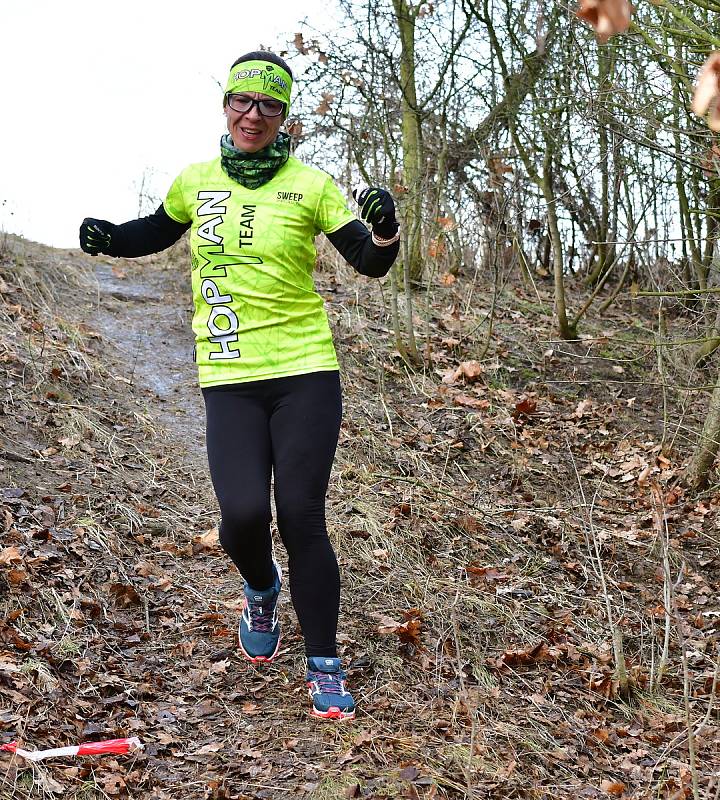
(95, 95)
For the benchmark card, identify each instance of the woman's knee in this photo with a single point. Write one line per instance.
(240, 520)
(297, 523)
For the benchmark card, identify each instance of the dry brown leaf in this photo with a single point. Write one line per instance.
(707, 92)
(409, 773)
(48, 784)
(479, 575)
(387, 624)
(497, 166)
(9, 554)
(436, 248)
(711, 162)
(471, 370)
(532, 655)
(469, 524)
(124, 595)
(295, 128)
(16, 577)
(359, 533)
(408, 632)
(206, 541)
(472, 402)
(206, 749)
(300, 44)
(145, 568)
(608, 17)
(9, 635)
(113, 783)
(615, 788)
(447, 279)
(324, 106)
(526, 406)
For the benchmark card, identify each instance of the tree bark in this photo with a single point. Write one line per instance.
(698, 473)
(406, 17)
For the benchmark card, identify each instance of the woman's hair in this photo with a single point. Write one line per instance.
(264, 55)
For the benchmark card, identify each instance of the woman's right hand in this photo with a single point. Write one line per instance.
(376, 205)
(96, 236)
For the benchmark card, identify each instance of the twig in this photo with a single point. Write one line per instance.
(686, 697)
(8, 456)
(663, 537)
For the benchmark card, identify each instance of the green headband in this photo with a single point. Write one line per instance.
(260, 76)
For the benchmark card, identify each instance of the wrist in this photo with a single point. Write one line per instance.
(385, 241)
(386, 229)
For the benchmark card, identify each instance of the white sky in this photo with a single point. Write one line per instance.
(94, 95)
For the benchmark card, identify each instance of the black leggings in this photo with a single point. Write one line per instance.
(289, 426)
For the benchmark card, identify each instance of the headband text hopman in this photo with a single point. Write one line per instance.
(260, 76)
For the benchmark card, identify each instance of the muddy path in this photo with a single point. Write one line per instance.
(144, 316)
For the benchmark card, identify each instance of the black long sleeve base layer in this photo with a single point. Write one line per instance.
(288, 427)
(154, 233)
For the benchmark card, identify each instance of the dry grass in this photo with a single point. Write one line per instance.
(467, 521)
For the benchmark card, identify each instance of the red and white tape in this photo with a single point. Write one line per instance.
(115, 746)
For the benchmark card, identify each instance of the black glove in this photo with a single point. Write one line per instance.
(96, 235)
(377, 208)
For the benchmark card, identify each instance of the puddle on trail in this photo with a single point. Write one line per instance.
(145, 317)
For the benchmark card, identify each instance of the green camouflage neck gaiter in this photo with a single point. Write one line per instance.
(252, 170)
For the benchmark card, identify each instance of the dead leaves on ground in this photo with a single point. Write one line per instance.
(408, 632)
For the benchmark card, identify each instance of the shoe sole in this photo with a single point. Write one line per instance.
(332, 713)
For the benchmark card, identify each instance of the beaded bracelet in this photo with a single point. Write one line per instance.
(385, 242)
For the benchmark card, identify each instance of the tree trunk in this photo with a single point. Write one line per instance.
(698, 473)
(565, 330)
(406, 17)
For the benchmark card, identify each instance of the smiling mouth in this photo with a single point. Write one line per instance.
(251, 131)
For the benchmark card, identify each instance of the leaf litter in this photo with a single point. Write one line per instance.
(473, 621)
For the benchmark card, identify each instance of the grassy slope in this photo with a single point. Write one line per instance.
(467, 514)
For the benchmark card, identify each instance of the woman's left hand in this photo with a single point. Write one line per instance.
(376, 205)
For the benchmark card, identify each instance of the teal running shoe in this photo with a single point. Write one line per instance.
(326, 684)
(259, 632)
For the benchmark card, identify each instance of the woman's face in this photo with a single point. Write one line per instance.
(250, 130)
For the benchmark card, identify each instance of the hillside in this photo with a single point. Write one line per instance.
(487, 510)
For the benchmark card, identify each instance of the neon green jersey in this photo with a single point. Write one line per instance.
(257, 313)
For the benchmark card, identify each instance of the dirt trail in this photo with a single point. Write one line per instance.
(144, 314)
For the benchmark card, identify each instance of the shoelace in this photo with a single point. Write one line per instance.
(261, 617)
(328, 682)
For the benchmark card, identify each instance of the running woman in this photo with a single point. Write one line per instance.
(266, 361)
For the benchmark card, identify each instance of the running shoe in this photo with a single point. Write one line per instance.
(326, 684)
(259, 632)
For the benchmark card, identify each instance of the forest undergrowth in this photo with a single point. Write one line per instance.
(530, 596)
